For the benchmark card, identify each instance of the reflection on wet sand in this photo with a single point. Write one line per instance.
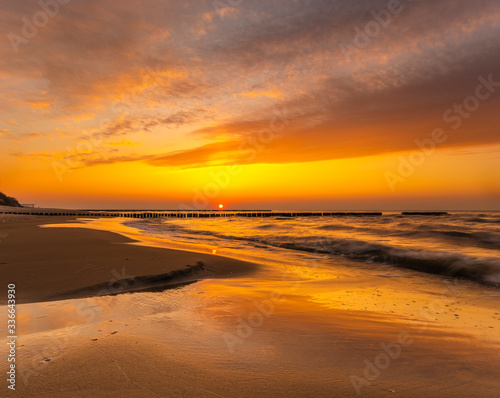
(302, 325)
(323, 327)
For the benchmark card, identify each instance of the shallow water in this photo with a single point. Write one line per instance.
(280, 327)
(303, 314)
(465, 245)
(277, 294)
(325, 278)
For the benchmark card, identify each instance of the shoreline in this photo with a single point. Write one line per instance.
(242, 330)
(60, 263)
(438, 261)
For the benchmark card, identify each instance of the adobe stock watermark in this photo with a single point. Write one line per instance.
(453, 116)
(245, 328)
(248, 151)
(57, 342)
(75, 156)
(373, 369)
(265, 308)
(392, 351)
(30, 26)
(380, 20)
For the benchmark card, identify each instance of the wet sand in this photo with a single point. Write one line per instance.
(55, 263)
(272, 332)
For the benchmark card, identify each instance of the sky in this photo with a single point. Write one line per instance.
(335, 105)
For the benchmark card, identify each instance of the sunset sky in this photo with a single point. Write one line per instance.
(255, 104)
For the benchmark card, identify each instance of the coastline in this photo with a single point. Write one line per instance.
(60, 263)
(241, 330)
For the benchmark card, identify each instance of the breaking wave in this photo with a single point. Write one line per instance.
(462, 245)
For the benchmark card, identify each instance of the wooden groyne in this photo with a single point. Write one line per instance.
(424, 213)
(201, 213)
(187, 214)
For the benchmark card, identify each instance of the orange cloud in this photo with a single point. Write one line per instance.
(211, 80)
(273, 93)
(123, 142)
(40, 105)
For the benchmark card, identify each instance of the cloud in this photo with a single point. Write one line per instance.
(27, 136)
(273, 93)
(165, 66)
(123, 142)
(213, 154)
(126, 124)
(33, 156)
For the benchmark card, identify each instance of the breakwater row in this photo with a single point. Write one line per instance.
(202, 214)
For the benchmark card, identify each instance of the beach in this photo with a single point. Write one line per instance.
(107, 310)
(250, 199)
(57, 263)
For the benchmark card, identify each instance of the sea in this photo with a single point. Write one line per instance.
(458, 244)
(330, 292)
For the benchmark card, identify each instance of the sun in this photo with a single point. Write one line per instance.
(221, 206)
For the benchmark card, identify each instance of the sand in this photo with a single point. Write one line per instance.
(236, 332)
(56, 263)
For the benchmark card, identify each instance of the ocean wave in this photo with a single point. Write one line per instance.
(484, 239)
(480, 269)
(266, 226)
(159, 282)
(337, 227)
(483, 220)
(445, 262)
